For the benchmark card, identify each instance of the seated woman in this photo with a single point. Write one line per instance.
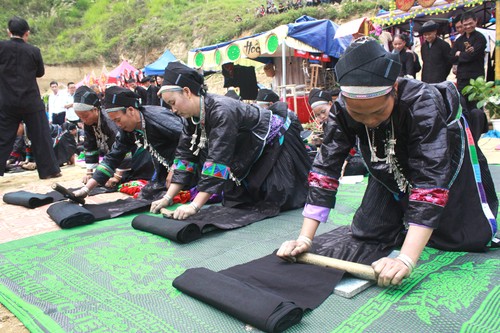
(252, 155)
(429, 181)
(100, 135)
(150, 127)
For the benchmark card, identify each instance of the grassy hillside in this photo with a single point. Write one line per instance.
(83, 31)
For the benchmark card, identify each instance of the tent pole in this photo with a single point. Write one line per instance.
(497, 44)
(283, 70)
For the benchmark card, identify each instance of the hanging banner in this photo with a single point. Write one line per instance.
(199, 59)
(426, 3)
(233, 52)
(217, 57)
(404, 5)
(272, 43)
(251, 48)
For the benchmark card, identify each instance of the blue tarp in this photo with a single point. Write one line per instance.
(158, 67)
(319, 34)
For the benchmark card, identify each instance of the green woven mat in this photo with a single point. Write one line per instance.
(108, 277)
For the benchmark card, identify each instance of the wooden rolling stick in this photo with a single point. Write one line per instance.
(361, 271)
(67, 194)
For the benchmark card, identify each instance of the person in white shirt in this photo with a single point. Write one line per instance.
(57, 102)
(70, 111)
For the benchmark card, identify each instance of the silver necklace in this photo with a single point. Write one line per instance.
(101, 138)
(201, 124)
(148, 146)
(390, 159)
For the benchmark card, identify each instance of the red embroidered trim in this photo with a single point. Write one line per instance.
(322, 181)
(437, 196)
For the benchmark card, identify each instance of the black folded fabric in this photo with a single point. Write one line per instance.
(304, 286)
(227, 218)
(69, 215)
(110, 210)
(34, 200)
(27, 199)
(255, 306)
(179, 231)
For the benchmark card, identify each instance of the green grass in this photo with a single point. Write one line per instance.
(83, 31)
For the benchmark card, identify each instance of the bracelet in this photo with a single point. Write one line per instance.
(117, 176)
(195, 206)
(407, 261)
(85, 189)
(305, 240)
(169, 199)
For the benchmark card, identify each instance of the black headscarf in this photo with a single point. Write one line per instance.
(116, 97)
(267, 95)
(366, 63)
(85, 99)
(178, 74)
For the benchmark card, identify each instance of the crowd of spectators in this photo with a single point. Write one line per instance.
(284, 6)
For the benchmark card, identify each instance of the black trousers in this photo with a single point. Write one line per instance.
(59, 118)
(41, 142)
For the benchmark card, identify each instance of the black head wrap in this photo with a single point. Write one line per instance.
(116, 97)
(318, 97)
(86, 96)
(267, 96)
(177, 74)
(366, 63)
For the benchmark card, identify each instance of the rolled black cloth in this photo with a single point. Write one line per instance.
(255, 306)
(27, 199)
(68, 215)
(175, 230)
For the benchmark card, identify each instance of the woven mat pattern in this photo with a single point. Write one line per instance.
(108, 277)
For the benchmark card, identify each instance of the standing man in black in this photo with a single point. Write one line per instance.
(468, 52)
(143, 94)
(20, 65)
(152, 91)
(435, 54)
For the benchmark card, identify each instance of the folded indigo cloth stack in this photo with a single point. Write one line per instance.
(179, 231)
(69, 215)
(255, 306)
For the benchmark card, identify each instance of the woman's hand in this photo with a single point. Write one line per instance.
(162, 203)
(185, 211)
(289, 249)
(390, 271)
